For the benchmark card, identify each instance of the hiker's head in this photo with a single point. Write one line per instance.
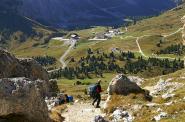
(99, 81)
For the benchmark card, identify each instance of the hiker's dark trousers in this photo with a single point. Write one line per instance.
(97, 98)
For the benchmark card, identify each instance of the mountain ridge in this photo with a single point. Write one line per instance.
(90, 12)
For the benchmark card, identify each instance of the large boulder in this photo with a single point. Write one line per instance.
(11, 67)
(121, 85)
(22, 101)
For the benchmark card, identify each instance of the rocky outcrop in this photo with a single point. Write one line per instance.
(23, 86)
(121, 85)
(33, 70)
(21, 100)
(11, 67)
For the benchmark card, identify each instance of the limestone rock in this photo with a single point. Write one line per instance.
(165, 87)
(21, 100)
(167, 96)
(136, 80)
(33, 70)
(122, 116)
(99, 118)
(160, 116)
(11, 67)
(121, 85)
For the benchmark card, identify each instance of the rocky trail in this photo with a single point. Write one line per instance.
(81, 112)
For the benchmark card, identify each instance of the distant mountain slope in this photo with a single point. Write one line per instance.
(66, 13)
(15, 27)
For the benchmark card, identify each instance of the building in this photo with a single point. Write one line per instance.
(75, 36)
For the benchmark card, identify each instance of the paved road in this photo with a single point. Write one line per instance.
(62, 58)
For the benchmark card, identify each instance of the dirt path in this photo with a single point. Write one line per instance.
(139, 47)
(81, 112)
(167, 35)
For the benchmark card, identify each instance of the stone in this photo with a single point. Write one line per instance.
(137, 107)
(168, 103)
(99, 118)
(152, 104)
(121, 85)
(165, 87)
(167, 96)
(159, 110)
(122, 116)
(160, 116)
(21, 99)
(78, 83)
(136, 80)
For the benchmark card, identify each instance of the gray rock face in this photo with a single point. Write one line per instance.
(121, 85)
(21, 100)
(33, 70)
(12, 67)
(9, 65)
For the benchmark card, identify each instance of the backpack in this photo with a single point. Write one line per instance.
(92, 90)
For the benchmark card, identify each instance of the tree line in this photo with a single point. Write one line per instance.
(177, 49)
(45, 60)
(98, 63)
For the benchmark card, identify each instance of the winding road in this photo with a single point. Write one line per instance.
(62, 58)
(73, 42)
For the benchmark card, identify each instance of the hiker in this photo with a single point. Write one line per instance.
(97, 95)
